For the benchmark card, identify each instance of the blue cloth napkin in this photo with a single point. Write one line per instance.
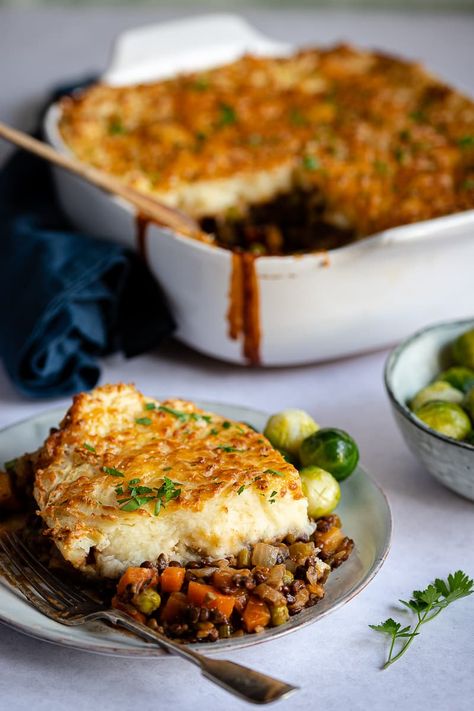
(66, 298)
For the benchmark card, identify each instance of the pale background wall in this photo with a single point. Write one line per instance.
(234, 4)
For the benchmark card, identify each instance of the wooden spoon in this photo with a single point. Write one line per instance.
(145, 205)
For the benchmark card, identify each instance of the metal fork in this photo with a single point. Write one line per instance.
(69, 605)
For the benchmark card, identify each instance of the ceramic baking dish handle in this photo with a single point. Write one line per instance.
(185, 45)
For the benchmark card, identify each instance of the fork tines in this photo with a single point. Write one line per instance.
(33, 579)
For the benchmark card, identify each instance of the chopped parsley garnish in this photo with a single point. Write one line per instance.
(175, 413)
(143, 421)
(400, 155)
(226, 424)
(272, 497)
(116, 127)
(137, 496)
(297, 118)
(195, 416)
(228, 448)
(11, 464)
(380, 167)
(227, 115)
(112, 472)
(89, 447)
(201, 83)
(466, 142)
(418, 116)
(273, 471)
(150, 406)
(167, 469)
(167, 491)
(185, 416)
(241, 489)
(311, 163)
(214, 431)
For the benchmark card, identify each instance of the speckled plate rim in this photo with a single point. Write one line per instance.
(54, 636)
(390, 365)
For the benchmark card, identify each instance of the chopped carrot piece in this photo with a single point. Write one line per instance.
(134, 580)
(174, 607)
(172, 579)
(207, 596)
(256, 614)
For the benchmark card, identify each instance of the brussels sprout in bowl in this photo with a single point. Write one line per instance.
(412, 369)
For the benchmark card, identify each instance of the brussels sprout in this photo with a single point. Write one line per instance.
(440, 390)
(468, 403)
(287, 429)
(445, 417)
(148, 601)
(321, 489)
(459, 377)
(463, 349)
(331, 449)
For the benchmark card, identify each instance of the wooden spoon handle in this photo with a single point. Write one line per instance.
(145, 205)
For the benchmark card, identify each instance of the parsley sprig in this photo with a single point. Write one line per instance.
(137, 495)
(275, 472)
(184, 416)
(426, 605)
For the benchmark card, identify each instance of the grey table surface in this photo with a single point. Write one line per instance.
(337, 661)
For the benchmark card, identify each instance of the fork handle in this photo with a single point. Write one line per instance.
(238, 680)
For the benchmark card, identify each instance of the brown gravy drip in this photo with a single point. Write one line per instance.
(244, 305)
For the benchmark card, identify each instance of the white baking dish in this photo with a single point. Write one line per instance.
(363, 296)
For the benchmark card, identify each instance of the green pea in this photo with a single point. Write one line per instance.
(147, 601)
(280, 615)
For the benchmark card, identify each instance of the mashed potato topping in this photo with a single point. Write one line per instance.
(373, 141)
(126, 478)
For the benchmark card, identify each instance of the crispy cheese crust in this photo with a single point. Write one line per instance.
(115, 447)
(381, 141)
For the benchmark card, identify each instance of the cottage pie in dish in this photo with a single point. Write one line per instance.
(202, 522)
(280, 155)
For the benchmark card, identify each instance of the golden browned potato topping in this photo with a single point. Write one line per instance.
(379, 140)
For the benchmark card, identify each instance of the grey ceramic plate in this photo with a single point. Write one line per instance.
(364, 511)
